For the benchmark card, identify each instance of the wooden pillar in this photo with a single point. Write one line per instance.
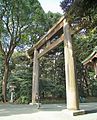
(71, 83)
(35, 84)
(95, 67)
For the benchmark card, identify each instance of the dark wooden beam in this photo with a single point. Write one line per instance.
(47, 36)
(51, 46)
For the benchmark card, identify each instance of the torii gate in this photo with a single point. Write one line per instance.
(60, 32)
(91, 60)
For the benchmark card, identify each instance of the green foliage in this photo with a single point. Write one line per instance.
(79, 8)
(27, 22)
(22, 100)
(51, 19)
(83, 14)
(21, 24)
(52, 78)
(21, 76)
(83, 45)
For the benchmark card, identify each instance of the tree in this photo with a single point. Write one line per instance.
(80, 13)
(21, 77)
(18, 19)
(52, 74)
(83, 45)
(51, 19)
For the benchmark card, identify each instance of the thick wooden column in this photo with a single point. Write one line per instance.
(71, 83)
(35, 84)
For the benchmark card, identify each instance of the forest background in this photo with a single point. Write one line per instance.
(22, 24)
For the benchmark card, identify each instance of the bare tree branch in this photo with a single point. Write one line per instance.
(7, 26)
(9, 54)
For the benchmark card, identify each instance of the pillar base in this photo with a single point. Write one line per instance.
(34, 103)
(74, 112)
(38, 105)
(31, 103)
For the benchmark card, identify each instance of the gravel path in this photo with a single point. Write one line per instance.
(46, 112)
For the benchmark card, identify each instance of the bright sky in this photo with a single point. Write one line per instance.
(51, 5)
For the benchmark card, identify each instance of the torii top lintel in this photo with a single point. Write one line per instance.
(51, 39)
(57, 27)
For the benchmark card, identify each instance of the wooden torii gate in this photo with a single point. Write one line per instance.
(91, 60)
(59, 33)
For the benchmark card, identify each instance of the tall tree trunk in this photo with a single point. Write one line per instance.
(4, 82)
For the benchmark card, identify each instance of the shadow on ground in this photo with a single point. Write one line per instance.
(89, 107)
(53, 107)
(10, 109)
(91, 111)
(13, 109)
